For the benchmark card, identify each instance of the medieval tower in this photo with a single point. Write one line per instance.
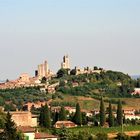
(66, 62)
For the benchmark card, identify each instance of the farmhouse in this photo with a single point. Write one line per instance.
(67, 124)
(24, 118)
(136, 91)
(28, 132)
(38, 104)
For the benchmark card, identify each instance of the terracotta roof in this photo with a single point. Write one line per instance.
(64, 122)
(26, 129)
(43, 135)
(59, 124)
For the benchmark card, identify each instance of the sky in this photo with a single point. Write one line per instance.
(103, 33)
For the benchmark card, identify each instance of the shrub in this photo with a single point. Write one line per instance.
(122, 136)
(102, 136)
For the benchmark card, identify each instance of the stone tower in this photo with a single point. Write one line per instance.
(43, 69)
(46, 68)
(66, 62)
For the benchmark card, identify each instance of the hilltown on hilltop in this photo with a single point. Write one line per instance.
(28, 123)
(43, 70)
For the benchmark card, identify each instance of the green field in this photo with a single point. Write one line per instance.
(95, 130)
(91, 103)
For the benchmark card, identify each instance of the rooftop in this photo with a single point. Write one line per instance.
(43, 135)
(26, 129)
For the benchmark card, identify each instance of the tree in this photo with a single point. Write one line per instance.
(122, 136)
(102, 113)
(77, 116)
(9, 107)
(62, 72)
(138, 137)
(84, 119)
(10, 131)
(102, 136)
(7, 80)
(55, 117)
(73, 72)
(47, 117)
(119, 113)
(43, 80)
(62, 114)
(95, 68)
(91, 138)
(64, 134)
(2, 119)
(110, 117)
(41, 116)
(62, 83)
(44, 117)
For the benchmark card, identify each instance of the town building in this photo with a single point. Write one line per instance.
(132, 117)
(23, 81)
(44, 136)
(136, 91)
(66, 124)
(52, 88)
(70, 109)
(87, 70)
(28, 131)
(66, 62)
(28, 106)
(43, 70)
(24, 78)
(55, 108)
(31, 134)
(129, 110)
(95, 112)
(87, 112)
(24, 118)
(129, 113)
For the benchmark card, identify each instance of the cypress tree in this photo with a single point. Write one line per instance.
(41, 116)
(77, 116)
(10, 131)
(102, 113)
(119, 113)
(84, 119)
(46, 117)
(62, 114)
(56, 117)
(111, 117)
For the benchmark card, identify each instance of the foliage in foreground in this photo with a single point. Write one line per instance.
(10, 130)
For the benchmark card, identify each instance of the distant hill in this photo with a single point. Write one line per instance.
(135, 76)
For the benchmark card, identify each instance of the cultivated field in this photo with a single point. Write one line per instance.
(91, 103)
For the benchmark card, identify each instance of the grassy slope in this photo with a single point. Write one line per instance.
(95, 130)
(90, 103)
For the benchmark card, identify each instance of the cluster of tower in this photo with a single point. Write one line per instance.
(44, 71)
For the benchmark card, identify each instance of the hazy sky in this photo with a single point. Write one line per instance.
(105, 33)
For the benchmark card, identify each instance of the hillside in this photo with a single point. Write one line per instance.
(108, 84)
(86, 89)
